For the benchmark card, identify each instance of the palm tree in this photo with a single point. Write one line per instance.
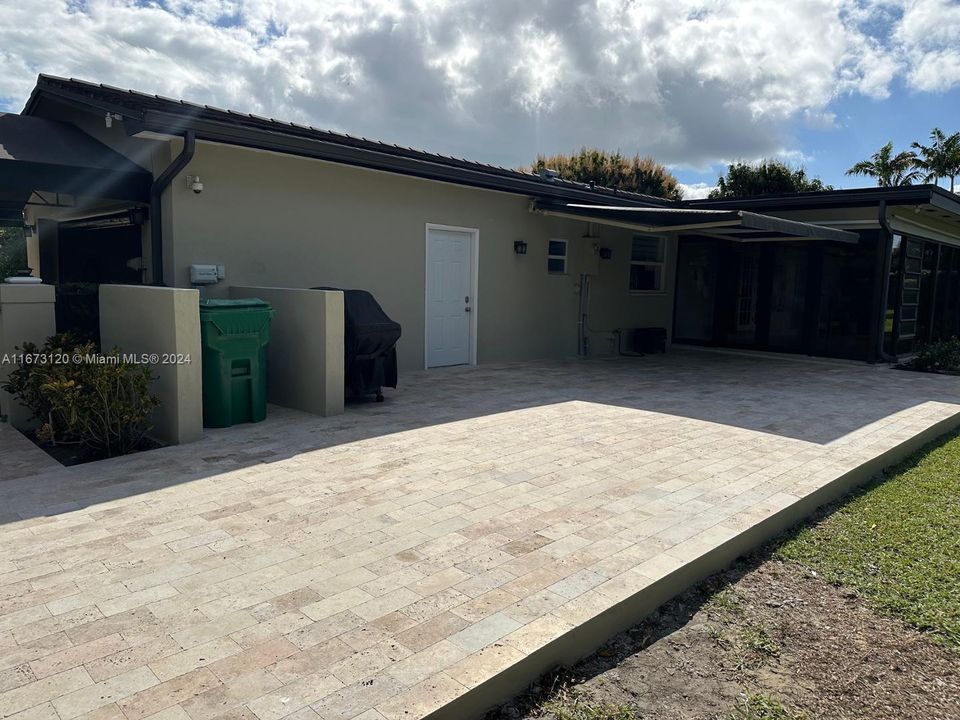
(940, 159)
(890, 170)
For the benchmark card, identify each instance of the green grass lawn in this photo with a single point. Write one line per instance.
(897, 542)
(752, 706)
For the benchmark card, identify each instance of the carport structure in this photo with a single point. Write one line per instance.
(735, 225)
(95, 199)
(55, 164)
(740, 278)
(88, 201)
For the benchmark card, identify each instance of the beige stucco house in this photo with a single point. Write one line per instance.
(284, 219)
(479, 264)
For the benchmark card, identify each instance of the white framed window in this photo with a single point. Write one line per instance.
(557, 257)
(646, 263)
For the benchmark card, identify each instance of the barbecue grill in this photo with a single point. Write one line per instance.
(370, 338)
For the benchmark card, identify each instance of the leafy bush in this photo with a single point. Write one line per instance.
(942, 356)
(765, 177)
(13, 251)
(100, 402)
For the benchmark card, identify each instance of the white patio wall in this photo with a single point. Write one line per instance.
(26, 315)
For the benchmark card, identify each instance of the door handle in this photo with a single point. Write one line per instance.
(466, 309)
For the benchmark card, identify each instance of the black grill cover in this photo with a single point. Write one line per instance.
(370, 338)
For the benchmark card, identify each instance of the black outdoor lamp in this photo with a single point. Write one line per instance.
(520, 247)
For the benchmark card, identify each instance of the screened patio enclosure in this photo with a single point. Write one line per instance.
(755, 281)
(923, 294)
(879, 299)
(818, 298)
(813, 298)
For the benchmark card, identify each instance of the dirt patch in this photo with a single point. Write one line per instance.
(69, 455)
(764, 627)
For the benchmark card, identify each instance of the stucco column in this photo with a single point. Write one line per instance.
(162, 322)
(26, 315)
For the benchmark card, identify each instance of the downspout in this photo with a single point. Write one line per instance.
(583, 344)
(882, 354)
(156, 191)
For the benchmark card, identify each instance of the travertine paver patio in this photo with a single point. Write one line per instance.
(428, 553)
(20, 457)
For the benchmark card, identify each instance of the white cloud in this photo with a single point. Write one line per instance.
(929, 33)
(696, 191)
(688, 81)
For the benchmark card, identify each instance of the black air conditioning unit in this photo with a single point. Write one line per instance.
(647, 340)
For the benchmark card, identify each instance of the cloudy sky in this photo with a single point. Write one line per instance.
(695, 83)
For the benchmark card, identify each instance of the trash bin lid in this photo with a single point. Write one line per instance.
(214, 305)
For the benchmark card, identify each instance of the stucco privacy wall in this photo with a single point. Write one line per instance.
(306, 352)
(26, 315)
(164, 321)
(283, 221)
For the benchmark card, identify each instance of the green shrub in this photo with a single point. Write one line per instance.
(942, 356)
(100, 402)
(13, 251)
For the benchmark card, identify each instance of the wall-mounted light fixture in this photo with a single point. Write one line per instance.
(605, 253)
(520, 247)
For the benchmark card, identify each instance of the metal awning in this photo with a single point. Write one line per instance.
(736, 225)
(40, 155)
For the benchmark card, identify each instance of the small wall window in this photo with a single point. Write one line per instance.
(646, 264)
(557, 257)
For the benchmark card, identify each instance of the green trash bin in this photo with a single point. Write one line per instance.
(234, 335)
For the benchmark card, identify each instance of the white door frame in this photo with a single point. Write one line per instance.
(474, 285)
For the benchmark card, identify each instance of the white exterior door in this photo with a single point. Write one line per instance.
(449, 303)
